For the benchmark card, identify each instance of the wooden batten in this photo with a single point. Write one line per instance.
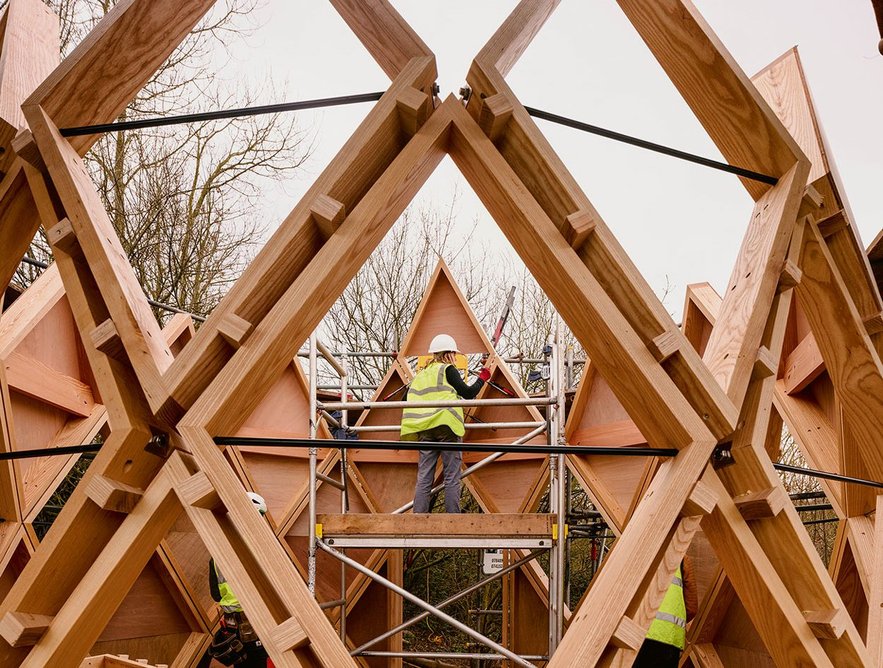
(495, 114)
(790, 276)
(833, 224)
(628, 635)
(198, 491)
(290, 635)
(578, 227)
(63, 237)
(107, 340)
(327, 214)
(414, 108)
(26, 148)
(234, 330)
(113, 495)
(22, 629)
(702, 500)
(762, 505)
(826, 624)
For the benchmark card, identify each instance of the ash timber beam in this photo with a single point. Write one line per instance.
(275, 341)
(784, 561)
(540, 171)
(731, 110)
(82, 529)
(586, 308)
(387, 37)
(77, 625)
(136, 37)
(850, 356)
(123, 296)
(29, 50)
(350, 175)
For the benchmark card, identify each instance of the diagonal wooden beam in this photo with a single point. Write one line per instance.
(709, 79)
(516, 33)
(132, 39)
(77, 625)
(128, 310)
(384, 33)
(350, 175)
(850, 356)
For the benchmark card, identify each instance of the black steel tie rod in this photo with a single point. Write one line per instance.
(651, 146)
(445, 447)
(825, 475)
(223, 113)
(50, 452)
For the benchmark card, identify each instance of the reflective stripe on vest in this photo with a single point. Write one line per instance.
(228, 602)
(431, 385)
(670, 625)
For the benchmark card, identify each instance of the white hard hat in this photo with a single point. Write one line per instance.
(258, 502)
(443, 343)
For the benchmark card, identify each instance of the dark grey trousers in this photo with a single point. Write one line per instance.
(451, 463)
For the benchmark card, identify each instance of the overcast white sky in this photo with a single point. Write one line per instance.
(680, 223)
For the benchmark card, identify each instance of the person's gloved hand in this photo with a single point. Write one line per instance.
(484, 374)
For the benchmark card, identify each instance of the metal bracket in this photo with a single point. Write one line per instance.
(722, 456)
(158, 444)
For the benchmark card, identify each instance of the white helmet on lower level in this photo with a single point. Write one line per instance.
(443, 343)
(258, 502)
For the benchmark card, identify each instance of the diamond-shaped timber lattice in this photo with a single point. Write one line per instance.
(675, 397)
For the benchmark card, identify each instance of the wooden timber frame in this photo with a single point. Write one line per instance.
(677, 397)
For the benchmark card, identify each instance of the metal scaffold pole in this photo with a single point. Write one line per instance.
(550, 371)
(344, 500)
(311, 552)
(561, 505)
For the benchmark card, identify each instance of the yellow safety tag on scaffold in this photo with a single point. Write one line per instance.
(555, 531)
(318, 530)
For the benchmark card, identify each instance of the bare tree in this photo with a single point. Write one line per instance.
(377, 307)
(185, 199)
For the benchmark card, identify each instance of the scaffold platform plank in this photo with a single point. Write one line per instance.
(524, 530)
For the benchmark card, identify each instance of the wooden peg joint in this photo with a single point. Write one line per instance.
(234, 330)
(289, 635)
(833, 224)
(23, 629)
(496, 112)
(578, 227)
(702, 501)
(628, 635)
(762, 505)
(198, 491)
(63, 237)
(665, 345)
(107, 340)
(26, 148)
(414, 107)
(826, 624)
(765, 365)
(790, 276)
(874, 323)
(327, 214)
(113, 495)
(812, 198)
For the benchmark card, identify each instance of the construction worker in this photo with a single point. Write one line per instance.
(235, 643)
(438, 381)
(667, 635)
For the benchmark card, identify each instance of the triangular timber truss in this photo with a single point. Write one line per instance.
(109, 530)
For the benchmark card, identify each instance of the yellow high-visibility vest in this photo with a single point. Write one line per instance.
(670, 625)
(431, 385)
(228, 602)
